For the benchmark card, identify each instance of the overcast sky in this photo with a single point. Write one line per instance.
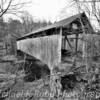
(52, 10)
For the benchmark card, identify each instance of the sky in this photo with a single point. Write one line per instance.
(49, 10)
(53, 10)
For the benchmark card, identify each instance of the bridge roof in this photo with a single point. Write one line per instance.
(58, 24)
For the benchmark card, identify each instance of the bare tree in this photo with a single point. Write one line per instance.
(91, 7)
(27, 22)
(11, 6)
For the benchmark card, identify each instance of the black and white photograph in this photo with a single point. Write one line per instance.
(49, 49)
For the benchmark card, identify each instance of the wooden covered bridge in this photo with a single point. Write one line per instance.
(55, 44)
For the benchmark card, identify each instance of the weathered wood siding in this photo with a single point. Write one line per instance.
(47, 49)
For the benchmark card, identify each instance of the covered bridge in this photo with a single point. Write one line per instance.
(57, 43)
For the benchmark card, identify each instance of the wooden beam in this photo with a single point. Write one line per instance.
(76, 47)
(68, 42)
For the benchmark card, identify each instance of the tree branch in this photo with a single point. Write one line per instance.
(6, 8)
